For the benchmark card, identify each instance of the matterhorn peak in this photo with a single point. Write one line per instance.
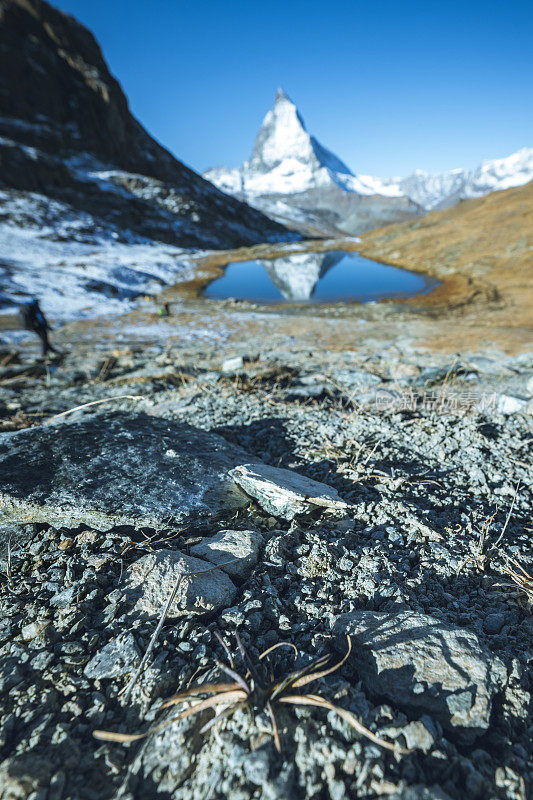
(284, 146)
(282, 96)
(281, 136)
(291, 176)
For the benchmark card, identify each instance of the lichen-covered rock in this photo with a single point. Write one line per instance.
(285, 493)
(422, 663)
(116, 469)
(151, 579)
(228, 545)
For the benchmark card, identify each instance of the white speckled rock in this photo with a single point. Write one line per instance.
(284, 493)
(151, 579)
(226, 545)
(119, 657)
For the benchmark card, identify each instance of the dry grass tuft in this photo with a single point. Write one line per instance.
(520, 578)
(258, 690)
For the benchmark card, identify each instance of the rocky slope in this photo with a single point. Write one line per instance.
(77, 167)
(371, 473)
(291, 176)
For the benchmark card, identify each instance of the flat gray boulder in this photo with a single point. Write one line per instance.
(424, 664)
(284, 493)
(228, 545)
(150, 580)
(117, 469)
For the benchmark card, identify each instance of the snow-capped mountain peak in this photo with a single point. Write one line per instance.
(282, 135)
(447, 188)
(292, 177)
(285, 154)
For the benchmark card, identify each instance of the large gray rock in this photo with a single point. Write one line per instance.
(285, 493)
(117, 469)
(422, 663)
(151, 579)
(229, 545)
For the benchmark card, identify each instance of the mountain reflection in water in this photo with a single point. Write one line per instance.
(335, 276)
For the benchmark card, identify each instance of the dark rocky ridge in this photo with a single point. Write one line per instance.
(58, 98)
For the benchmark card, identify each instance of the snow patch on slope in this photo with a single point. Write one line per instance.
(76, 267)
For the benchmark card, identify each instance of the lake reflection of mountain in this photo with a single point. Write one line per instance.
(296, 276)
(332, 277)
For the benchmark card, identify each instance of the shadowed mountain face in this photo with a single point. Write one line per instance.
(67, 133)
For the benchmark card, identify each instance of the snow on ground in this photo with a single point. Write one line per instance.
(75, 267)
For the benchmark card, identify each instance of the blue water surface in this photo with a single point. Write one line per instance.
(335, 277)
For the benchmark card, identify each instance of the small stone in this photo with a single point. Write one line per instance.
(487, 366)
(25, 775)
(13, 540)
(256, 766)
(493, 623)
(87, 537)
(395, 652)
(284, 493)
(352, 379)
(228, 545)
(42, 660)
(400, 370)
(421, 734)
(34, 629)
(65, 598)
(151, 580)
(475, 785)
(506, 404)
(118, 657)
(232, 364)
(233, 616)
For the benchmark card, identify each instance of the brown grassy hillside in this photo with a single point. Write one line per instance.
(482, 249)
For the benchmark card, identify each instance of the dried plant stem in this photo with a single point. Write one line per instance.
(201, 705)
(95, 403)
(500, 537)
(244, 692)
(320, 702)
(129, 688)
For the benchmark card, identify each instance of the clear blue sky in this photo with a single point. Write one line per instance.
(388, 86)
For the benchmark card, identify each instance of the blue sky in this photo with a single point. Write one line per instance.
(388, 86)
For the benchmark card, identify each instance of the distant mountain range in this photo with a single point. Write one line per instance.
(293, 178)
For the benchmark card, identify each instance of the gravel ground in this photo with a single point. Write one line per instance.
(431, 454)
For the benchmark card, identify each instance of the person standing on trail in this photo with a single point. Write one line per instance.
(34, 320)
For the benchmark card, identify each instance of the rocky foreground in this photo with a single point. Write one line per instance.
(290, 495)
